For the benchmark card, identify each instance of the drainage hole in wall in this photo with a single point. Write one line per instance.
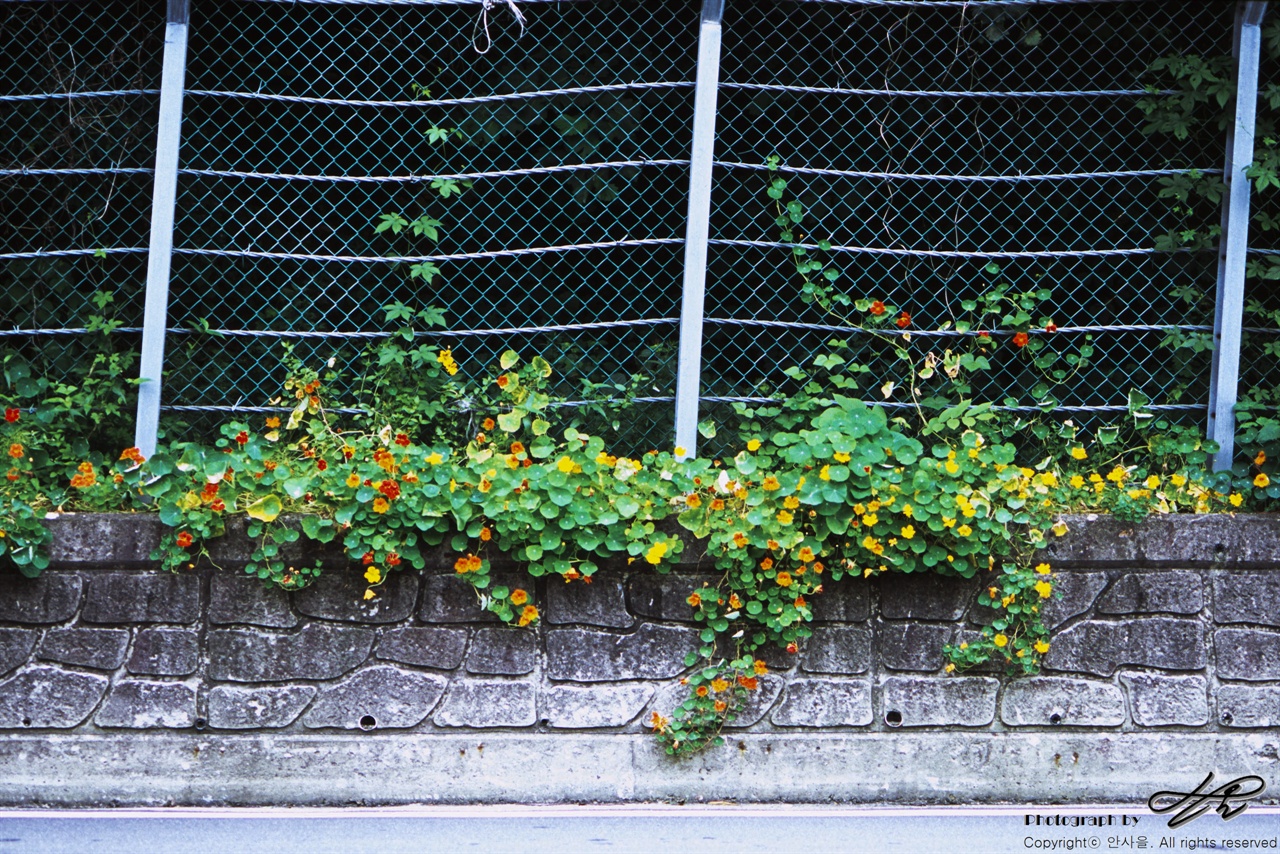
(1226, 718)
(368, 722)
(893, 717)
(26, 721)
(1055, 718)
(201, 723)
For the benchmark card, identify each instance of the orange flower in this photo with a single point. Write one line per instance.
(721, 705)
(693, 501)
(694, 599)
(528, 615)
(485, 534)
(806, 554)
(15, 451)
(877, 308)
(1020, 339)
(766, 564)
(380, 505)
(503, 381)
(519, 597)
(702, 690)
(748, 682)
(717, 504)
(487, 424)
(272, 422)
(13, 474)
(760, 667)
(784, 579)
(184, 539)
(517, 448)
(133, 455)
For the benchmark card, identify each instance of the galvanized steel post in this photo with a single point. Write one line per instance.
(1233, 246)
(689, 376)
(164, 195)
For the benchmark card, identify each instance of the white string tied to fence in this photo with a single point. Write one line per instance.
(483, 21)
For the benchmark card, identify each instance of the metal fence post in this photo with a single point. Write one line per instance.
(1233, 248)
(689, 375)
(156, 310)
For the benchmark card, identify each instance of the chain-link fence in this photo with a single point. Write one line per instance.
(942, 149)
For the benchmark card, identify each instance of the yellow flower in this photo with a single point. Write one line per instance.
(1042, 569)
(1153, 481)
(1044, 588)
(1049, 479)
(380, 505)
(1261, 480)
(353, 480)
(1000, 640)
(565, 465)
(528, 615)
(841, 457)
(791, 502)
(948, 522)
(951, 467)
(908, 531)
(950, 667)
(1077, 481)
(603, 459)
(1236, 499)
(680, 452)
(873, 507)
(1042, 646)
(753, 445)
(1059, 529)
(907, 511)
(1117, 475)
(445, 357)
(435, 459)
(369, 594)
(964, 530)
(453, 485)
(719, 685)
(1078, 453)
(656, 553)
(973, 453)
(373, 575)
(785, 517)
(825, 473)
(870, 519)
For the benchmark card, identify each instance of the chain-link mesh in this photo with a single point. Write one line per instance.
(78, 108)
(927, 143)
(305, 123)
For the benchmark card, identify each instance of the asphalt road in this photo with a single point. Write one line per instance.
(704, 829)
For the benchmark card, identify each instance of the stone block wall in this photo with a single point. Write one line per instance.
(1166, 633)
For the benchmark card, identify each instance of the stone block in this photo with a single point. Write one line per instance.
(603, 602)
(142, 597)
(54, 597)
(101, 649)
(590, 707)
(43, 696)
(1252, 655)
(757, 704)
(103, 539)
(924, 596)
(665, 597)
(1154, 592)
(837, 649)
(257, 708)
(1074, 594)
(1246, 597)
(845, 601)
(246, 599)
(911, 646)
(1097, 647)
(503, 652)
(423, 646)
(825, 703)
(15, 647)
(650, 652)
(481, 704)
(926, 701)
(135, 704)
(1249, 705)
(316, 651)
(452, 599)
(1057, 701)
(339, 595)
(1156, 700)
(379, 697)
(165, 652)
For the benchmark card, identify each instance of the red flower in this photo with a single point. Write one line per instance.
(984, 336)
(242, 438)
(391, 489)
(393, 559)
(904, 321)
(877, 308)
(402, 440)
(793, 647)
(217, 506)
(322, 464)
(367, 558)
(1020, 340)
(11, 415)
(1051, 327)
(184, 539)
